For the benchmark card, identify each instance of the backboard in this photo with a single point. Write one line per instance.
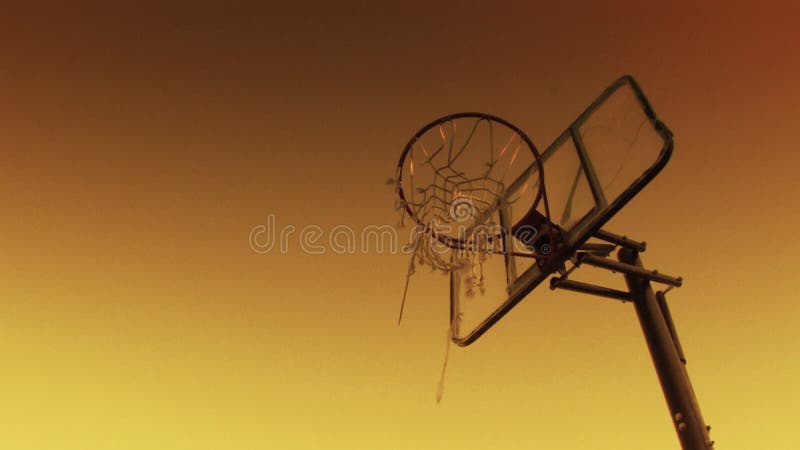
(595, 167)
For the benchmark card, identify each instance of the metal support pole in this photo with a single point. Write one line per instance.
(662, 303)
(683, 408)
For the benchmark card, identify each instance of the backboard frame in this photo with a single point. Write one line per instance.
(590, 224)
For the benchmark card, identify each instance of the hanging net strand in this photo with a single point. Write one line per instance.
(453, 178)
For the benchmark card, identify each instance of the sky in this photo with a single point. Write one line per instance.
(141, 144)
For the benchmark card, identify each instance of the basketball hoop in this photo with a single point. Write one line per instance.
(454, 179)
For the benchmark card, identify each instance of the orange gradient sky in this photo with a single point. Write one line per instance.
(139, 145)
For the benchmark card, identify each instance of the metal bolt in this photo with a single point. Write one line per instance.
(681, 426)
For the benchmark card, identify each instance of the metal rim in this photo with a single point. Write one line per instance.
(541, 195)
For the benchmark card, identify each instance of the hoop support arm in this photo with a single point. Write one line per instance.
(597, 249)
(622, 241)
(586, 288)
(630, 269)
